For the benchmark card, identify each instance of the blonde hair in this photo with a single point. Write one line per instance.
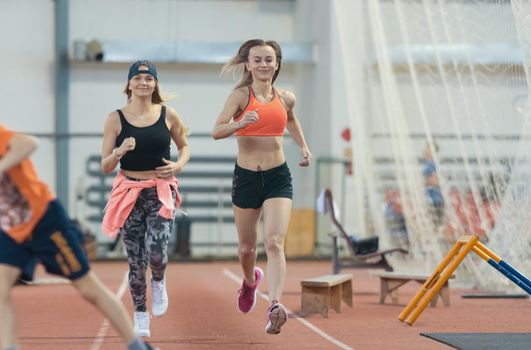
(237, 63)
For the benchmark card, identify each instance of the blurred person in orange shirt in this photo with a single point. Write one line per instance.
(35, 226)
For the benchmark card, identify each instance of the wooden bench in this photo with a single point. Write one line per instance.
(391, 281)
(320, 293)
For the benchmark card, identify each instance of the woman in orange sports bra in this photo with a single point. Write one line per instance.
(258, 113)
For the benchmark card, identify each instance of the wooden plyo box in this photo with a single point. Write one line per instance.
(321, 293)
(391, 281)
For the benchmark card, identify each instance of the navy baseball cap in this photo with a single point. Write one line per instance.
(135, 69)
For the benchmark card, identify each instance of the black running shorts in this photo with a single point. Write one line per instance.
(251, 188)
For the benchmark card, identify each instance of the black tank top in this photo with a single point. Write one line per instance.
(152, 143)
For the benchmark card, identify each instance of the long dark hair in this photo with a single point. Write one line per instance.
(237, 63)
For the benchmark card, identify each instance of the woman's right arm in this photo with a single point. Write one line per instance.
(109, 157)
(224, 127)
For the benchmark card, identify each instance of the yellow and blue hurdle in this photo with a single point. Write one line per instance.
(505, 268)
(446, 268)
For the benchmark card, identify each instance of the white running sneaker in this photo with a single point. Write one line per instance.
(159, 297)
(277, 315)
(141, 320)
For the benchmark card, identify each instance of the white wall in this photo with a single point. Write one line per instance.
(27, 61)
(96, 89)
(188, 20)
(349, 100)
(313, 87)
(199, 91)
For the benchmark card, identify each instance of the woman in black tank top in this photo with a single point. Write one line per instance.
(138, 136)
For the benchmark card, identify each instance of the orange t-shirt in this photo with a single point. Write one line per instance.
(23, 197)
(272, 117)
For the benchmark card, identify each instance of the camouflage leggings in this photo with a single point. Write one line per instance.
(146, 235)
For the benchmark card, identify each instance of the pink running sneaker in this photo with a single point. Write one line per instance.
(247, 294)
(277, 315)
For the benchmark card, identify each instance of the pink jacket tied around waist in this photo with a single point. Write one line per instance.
(123, 197)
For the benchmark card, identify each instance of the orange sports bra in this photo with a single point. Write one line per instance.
(272, 117)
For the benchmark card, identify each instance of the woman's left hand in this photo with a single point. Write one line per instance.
(307, 157)
(168, 170)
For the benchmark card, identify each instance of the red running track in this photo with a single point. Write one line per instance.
(203, 314)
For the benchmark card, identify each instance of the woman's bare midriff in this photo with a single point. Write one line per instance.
(140, 175)
(265, 152)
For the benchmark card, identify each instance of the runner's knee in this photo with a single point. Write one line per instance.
(274, 245)
(246, 249)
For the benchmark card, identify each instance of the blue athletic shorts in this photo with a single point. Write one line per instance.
(55, 242)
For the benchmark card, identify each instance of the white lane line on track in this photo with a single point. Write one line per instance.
(105, 325)
(315, 329)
